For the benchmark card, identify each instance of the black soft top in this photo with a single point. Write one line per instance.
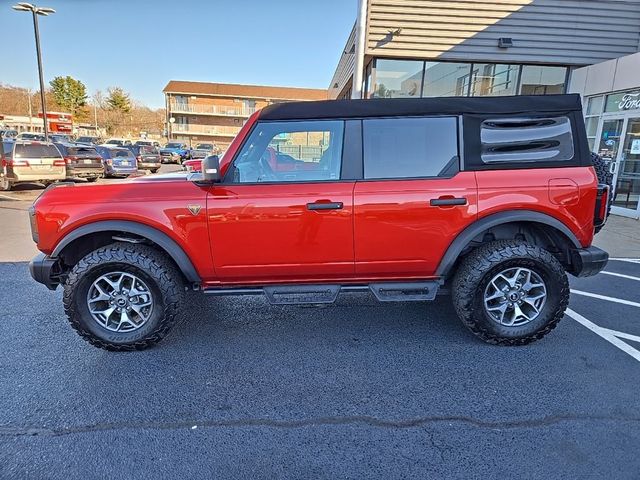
(394, 107)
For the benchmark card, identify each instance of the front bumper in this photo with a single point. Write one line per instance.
(586, 262)
(42, 269)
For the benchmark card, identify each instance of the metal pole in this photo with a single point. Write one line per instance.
(361, 37)
(42, 95)
(30, 110)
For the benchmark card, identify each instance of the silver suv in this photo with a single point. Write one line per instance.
(30, 162)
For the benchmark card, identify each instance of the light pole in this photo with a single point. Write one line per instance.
(35, 11)
(171, 122)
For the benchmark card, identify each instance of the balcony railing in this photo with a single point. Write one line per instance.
(239, 111)
(205, 130)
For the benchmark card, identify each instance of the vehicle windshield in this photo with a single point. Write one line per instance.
(174, 145)
(31, 136)
(114, 142)
(36, 150)
(81, 151)
(148, 150)
(204, 146)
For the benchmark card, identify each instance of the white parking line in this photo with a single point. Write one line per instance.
(610, 336)
(629, 260)
(604, 297)
(621, 275)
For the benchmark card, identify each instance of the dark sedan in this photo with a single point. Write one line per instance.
(148, 157)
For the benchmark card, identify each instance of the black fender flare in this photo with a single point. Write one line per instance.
(476, 228)
(140, 229)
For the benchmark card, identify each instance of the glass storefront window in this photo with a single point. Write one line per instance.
(610, 139)
(540, 80)
(621, 102)
(591, 123)
(397, 78)
(594, 105)
(444, 79)
(491, 80)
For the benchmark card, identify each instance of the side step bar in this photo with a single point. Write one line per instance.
(322, 294)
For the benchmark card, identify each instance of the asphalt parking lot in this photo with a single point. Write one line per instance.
(360, 389)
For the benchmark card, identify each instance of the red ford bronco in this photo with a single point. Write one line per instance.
(490, 200)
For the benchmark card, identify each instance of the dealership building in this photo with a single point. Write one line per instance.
(422, 48)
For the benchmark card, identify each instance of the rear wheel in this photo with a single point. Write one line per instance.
(5, 184)
(510, 293)
(91, 179)
(123, 297)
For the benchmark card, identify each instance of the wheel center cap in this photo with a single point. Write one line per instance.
(121, 302)
(513, 296)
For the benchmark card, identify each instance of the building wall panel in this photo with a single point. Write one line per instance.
(569, 32)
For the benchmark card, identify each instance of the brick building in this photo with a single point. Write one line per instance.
(214, 112)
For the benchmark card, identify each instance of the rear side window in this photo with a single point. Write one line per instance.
(36, 150)
(526, 139)
(410, 147)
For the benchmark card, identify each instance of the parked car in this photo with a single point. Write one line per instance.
(198, 154)
(117, 161)
(149, 143)
(148, 157)
(30, 136)
(118, 142)
(210, 148)
(59, 138)
(30, 162)
(83, 161)
(175, 152)
(88, 140)
(8, 134)
(491, 200)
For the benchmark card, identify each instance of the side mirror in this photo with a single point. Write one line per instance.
(211, 169)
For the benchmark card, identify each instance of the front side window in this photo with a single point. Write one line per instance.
(410, 147)
(299, 151)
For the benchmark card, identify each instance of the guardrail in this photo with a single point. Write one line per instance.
(226, 111)
(205, 130)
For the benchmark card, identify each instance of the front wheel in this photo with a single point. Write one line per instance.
(510, 293)
(123, 297)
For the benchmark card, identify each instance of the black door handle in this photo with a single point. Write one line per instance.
(443, 202)
(324, 206)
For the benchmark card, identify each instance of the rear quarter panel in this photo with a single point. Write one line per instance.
(567, 194)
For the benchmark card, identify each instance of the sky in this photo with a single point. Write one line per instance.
(140, 45)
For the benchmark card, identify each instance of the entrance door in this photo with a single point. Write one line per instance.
(627, 192)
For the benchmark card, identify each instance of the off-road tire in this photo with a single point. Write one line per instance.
(161, 276)
(5, 185)
(601, 166)
(479, 267)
